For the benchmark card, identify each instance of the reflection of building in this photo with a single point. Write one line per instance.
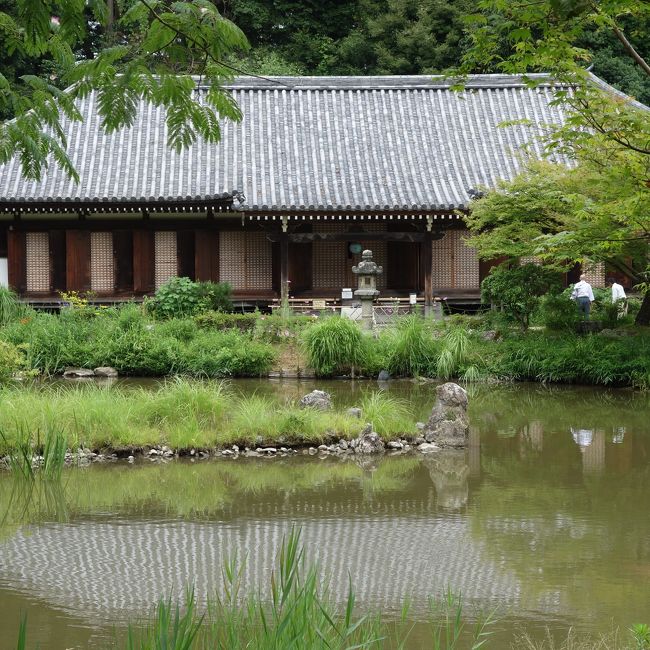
(582, 437)
(115, 569)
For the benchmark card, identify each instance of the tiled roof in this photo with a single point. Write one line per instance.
(305, 143)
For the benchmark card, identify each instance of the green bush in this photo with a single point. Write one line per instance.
(333, 345)
(12, 359)
(219, 320)
(559, 313)
(517, 290)
(216, 296)
(180, 297)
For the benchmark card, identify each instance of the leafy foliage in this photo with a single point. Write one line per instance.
(141, 58)
(180, 297)
(517, 289)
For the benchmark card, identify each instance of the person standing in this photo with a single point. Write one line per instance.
(583, 294)
(618, 296)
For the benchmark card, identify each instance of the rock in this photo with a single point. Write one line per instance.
(419, 440)
(153, 452)
(448, 425)
(131, 459)
(490, 335)
(394, 444)
(227, 452)
(384, 375)
(419, 426)
(312, 451)
(323, 448)
(616, 333)
(317, 399)
(368, 442)
(105, 371)
(266, 450)
(78, 373)
(354, 412)
(427, 447)
(343, 444)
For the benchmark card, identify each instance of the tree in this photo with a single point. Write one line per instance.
(598, 206)
(148, 50)
(518, 289)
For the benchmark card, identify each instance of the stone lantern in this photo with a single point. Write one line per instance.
(367, 272)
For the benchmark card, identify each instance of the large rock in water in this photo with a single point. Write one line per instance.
(368, 442)
(448, 425)
(78, 373)
(317, 399)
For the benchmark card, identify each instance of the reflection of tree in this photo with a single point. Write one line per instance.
(564, 532)
(508, 409)
(449, 471)
(197, 490)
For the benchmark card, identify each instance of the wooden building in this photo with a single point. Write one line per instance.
(318, 169)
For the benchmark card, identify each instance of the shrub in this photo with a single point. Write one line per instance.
(333, 345)
(216, 296)
(219, 320)
(180, 297)
(518, 289)
(12, 359)
(559, 313)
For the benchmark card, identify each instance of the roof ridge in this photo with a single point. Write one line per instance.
(378, 82)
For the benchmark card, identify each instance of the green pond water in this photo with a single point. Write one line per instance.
(546, 516)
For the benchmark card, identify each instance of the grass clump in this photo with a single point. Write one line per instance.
(334, 345)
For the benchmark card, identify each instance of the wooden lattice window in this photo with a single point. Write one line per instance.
(454, 265)
(595, 273)
(328, 258)
(166, 257)
(102, 264)
(246, 260)
(530, 259)
(38, 262)
(331, 264)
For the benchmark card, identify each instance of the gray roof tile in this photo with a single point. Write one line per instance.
(329, 143)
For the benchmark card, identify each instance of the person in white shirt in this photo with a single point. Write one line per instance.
(583, 294)
(618, 296)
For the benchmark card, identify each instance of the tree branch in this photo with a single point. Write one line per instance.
(630, 50)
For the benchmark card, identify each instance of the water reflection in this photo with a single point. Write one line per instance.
(527, 517)
(449, 472)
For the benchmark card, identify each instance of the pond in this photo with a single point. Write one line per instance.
(544, 517)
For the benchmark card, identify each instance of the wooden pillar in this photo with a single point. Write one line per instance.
(206, 255)
(17, 260)
(77, 256)
(144, 271)
(284, 266)
(425, 261)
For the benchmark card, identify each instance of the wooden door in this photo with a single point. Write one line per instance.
(77, 259)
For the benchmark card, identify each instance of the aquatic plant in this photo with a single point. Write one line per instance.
(389, 415)
(21, 449)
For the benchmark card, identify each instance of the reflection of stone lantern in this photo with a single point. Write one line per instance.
(367, 271)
